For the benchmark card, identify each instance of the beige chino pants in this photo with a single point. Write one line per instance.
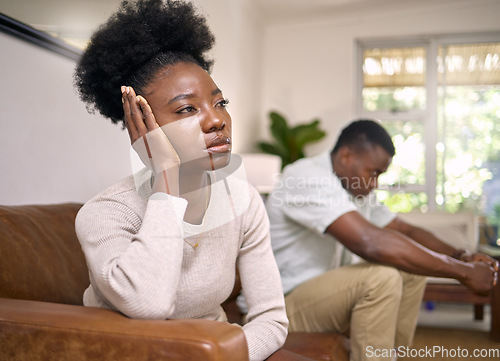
(377, 305)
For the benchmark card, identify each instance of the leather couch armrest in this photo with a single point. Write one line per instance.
(32, 330)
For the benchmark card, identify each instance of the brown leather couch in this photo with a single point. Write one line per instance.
(42, 278)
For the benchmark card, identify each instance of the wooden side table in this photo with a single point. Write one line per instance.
(455, 292)
(495, 301)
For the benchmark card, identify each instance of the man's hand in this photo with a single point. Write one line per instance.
(481, 278)
(481, 257)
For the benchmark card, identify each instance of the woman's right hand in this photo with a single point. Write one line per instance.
(150, 142)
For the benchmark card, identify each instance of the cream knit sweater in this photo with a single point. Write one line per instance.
(141, 264)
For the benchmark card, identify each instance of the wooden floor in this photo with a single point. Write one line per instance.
(445, 344)
(450, 329)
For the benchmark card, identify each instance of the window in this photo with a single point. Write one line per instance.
(439, 98)
(393, 79)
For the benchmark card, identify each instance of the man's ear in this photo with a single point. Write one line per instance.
(345, 155)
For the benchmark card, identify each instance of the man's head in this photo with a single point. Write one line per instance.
(363, 151)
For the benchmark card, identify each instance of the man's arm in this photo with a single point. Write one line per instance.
(431, 241)
(424, 237)
(389, 247)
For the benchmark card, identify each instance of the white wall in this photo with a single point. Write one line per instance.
(52, 150)
(309, 67)
(239, 31)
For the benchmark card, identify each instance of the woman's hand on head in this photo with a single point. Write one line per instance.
(138, 116)
(150, 142)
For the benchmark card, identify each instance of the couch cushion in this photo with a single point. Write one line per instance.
(459, 230)
(40, 256)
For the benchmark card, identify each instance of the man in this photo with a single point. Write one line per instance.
(347, 263)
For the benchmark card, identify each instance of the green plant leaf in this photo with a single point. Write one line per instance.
(307, 133)
(289, 141)
(273, 149)
(301, 127)
(279, 129)
(309, 136)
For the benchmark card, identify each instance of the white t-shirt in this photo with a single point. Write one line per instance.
(306, 200)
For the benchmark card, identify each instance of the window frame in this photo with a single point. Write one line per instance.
(429, 115)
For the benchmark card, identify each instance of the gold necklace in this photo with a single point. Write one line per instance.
(195, 245)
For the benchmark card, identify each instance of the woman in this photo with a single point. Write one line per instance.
(163, 244)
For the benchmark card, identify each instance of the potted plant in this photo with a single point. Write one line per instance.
(289, 142)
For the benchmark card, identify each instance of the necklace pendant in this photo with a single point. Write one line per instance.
(195, 245)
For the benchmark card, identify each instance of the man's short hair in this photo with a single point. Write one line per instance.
(362, 132)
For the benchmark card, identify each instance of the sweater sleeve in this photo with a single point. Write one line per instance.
(128, 253)
(267, 325)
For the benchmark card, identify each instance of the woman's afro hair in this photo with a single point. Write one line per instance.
(139, 39)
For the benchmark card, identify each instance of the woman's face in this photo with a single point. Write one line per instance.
(191, 111)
